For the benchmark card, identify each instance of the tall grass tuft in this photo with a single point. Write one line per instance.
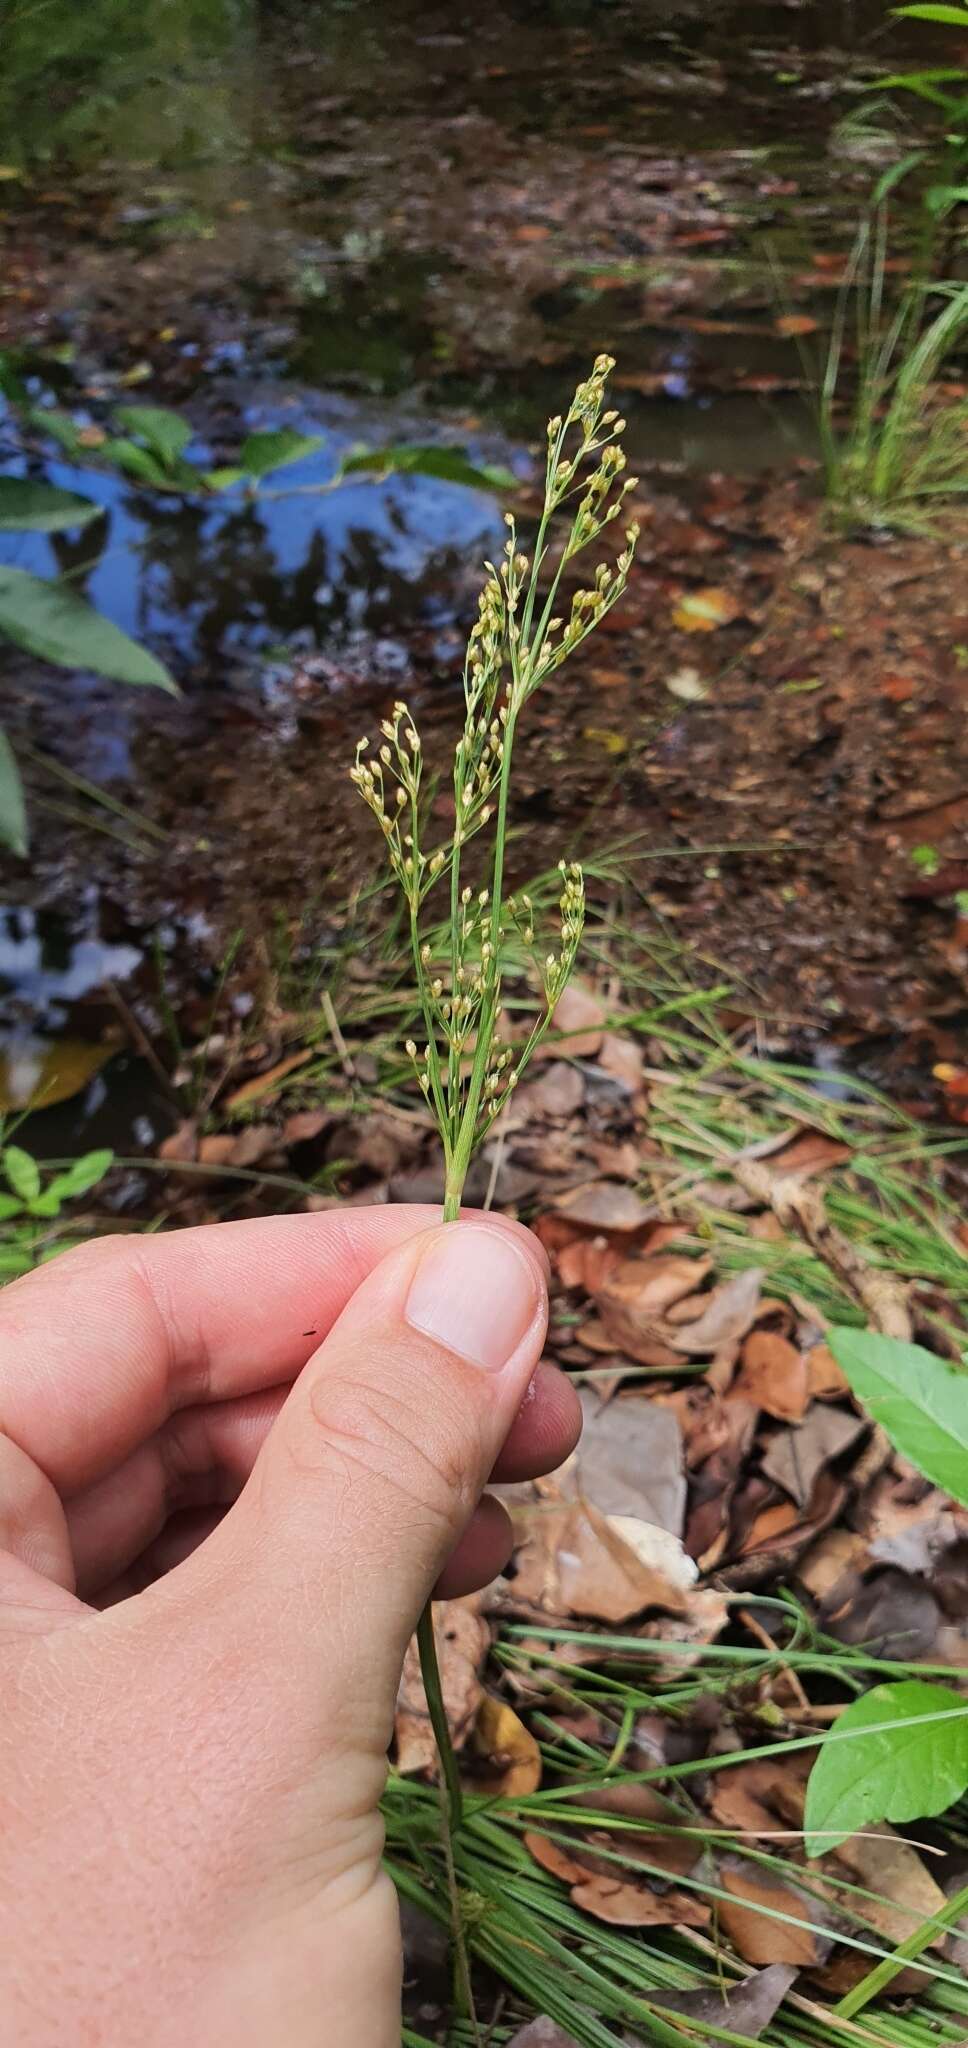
(895, 450)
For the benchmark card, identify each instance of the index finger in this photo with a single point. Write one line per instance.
(98, 1348)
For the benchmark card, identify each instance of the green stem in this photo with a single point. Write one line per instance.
(451, 1795)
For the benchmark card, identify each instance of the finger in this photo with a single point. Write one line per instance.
(33, 1528)
(201, 1457)
(315, 1579)
(179, 1538)
(480, 1554)
(98, 1348)
(545, 1429)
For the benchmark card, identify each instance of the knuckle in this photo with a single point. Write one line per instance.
(420, 1461)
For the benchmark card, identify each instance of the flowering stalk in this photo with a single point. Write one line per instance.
(466, 1069)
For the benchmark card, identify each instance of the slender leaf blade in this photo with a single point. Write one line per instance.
(50, 620)
(919, 1400)
(28, 507)
(900, 1753)
(13, 810)
(953, 17)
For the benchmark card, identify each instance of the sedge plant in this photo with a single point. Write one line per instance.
(527, 626)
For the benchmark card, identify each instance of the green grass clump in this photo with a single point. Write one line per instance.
(895, 451)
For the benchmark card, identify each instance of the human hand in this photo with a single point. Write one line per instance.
(197, 1711)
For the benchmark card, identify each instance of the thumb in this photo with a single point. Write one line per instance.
(372, 1472)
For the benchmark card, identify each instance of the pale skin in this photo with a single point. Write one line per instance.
(197, 1711)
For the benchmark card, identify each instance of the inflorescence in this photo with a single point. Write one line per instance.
(518, 640)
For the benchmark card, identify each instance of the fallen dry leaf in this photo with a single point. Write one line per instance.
(605, 1205)
(730, 1312)
(542, 2033)
(463, 1640)
(305, 1124)
(629, 1460)
(687, 1635)
(569, 1561)
(744, 2010)
(624, 1059)
(263, 1084)
(645, 1288)
(579, 1017)
(558, 1090)
(181, 1144)
(507, 1757)
(791, 324)
(702, 611)
(825, 1381)
(747, 1917)
(632, 1905)
(905, 1895)
(761, 1797)
(553, 1858)
(774, 1375)
(808, 1153)
(586, 1263)
(797, 1457)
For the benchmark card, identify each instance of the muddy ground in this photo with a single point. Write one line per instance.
(437, 259)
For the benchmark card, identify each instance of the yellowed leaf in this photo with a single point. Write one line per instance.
(34, 1072)
(507, 1749)
(601, 736)
(701, 611)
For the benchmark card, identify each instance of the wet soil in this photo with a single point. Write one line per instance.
(419, 227)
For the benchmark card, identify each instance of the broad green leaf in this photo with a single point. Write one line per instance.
(450, 465)
(261, 453)
(60, 427)
(919, 1400)
(955, 17)
(23, 1172)
(222, 479)
(80, 1177)
(48, 619)
(164, 432)
(900, 1753)
(13, 811)
(138, 462)
(27, 507)
(10, 1205)
(45, 1204)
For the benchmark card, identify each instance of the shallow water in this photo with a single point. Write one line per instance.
(407, 223)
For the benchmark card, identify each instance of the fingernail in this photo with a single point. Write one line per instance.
(476, 1292)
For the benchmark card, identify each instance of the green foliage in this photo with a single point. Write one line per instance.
(920, 1401)
(451, 465)
(80, 76)
(955, 17)
(30, 1212)
(50, 620)
(895, 451)
(263, 452)
(13, 810)
(944, 87)
(899, 1753)
(26, 507)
